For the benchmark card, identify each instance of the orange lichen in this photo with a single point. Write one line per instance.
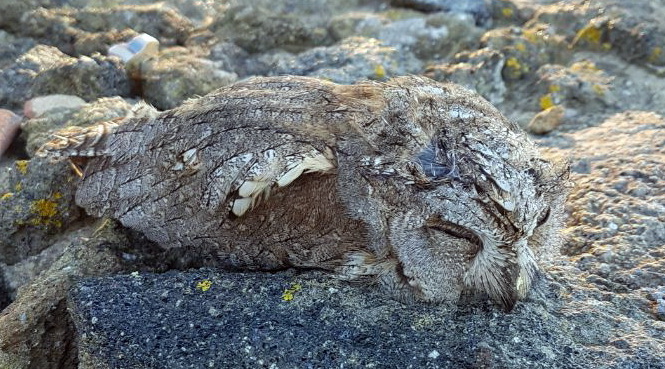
(6, 195)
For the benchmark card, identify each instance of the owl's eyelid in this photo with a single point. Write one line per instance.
(543, 218)
(454, 230)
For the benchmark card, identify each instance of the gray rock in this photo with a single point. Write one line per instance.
(259, 29)
(478, 8)
(176, 75)
(84, 31)
(37, 331)
(246, 320)
(37, 202)
(480, 70)
(433, 36)
(616, 228)
(582, 85)
(342, 63)
(45, 70)
(11, 47)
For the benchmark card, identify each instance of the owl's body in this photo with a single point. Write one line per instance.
(424, 187)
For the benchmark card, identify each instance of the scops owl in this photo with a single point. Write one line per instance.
(420, 186)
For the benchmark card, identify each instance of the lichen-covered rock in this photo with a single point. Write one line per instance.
(208, 318)
(581, 85)
(176, 75)
(526, 49)
(351, 60)
(633, 30)
(260, 29)
(88, 30)
(37, 202)
(37, 331)
(480, 70)
(478, 8)
(45, 70)
(433, 36)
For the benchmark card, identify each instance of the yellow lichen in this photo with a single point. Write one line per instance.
(22, 166)
(45, 213)
(655, 54)
(599, 89)
(290, 292)
(18, 187)
(204, 285)
(515, 68)
(591, 34)
(546, 102)
(531, 36)
(554, 88)
(6, 195)
(584, 66)
(507, 12)
(379, 72)
(520, 47)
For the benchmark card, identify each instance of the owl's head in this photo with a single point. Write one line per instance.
(464, 202)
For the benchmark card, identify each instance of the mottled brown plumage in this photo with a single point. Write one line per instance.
(421, 186)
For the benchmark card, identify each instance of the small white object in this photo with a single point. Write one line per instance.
(137, 49)
(433, 354)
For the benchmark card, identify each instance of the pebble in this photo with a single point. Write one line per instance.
(546, 121)
(37, 106)
(9, 126)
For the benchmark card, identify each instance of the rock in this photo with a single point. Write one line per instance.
(258, 29)
(44, 70)
(11, 47)
(208, 318)
(10, 124)
(547, 120)
(88, 30)
(618, 204)
(633, 31)
(37, 331)
(37, 202)
(479, 70)
(526, 49)
(342, 63)
(581, 85)
(41, 104)
(176, 75)
(478, 8)
(432, 36)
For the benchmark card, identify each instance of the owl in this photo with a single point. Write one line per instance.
(423, 188)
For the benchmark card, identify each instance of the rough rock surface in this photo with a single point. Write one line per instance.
(45, 70)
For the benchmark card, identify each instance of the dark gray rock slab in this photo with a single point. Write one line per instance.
(244, 321)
